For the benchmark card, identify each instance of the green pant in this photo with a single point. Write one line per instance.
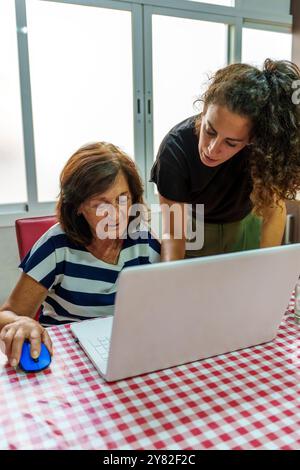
(230, 237)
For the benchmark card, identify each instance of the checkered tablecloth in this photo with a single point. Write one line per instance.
(248, 399)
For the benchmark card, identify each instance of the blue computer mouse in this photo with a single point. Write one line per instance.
(28, 364)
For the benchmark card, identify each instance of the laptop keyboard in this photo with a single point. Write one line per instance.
(101, 346)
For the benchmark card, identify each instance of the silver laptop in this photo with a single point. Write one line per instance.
(168, 314)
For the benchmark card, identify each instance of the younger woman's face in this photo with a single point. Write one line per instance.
(222, 135)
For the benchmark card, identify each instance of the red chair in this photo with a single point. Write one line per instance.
(29, 231)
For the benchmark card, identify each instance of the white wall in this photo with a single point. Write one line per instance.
(9, 261)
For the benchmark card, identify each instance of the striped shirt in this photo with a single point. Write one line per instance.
(81, 286)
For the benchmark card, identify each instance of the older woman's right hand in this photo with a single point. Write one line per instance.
(14, 334)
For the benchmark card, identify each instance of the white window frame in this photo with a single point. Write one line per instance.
(239, 16)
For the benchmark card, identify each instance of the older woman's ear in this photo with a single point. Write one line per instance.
(79, 210)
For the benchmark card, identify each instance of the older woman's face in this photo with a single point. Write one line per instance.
(107, 213)
(222, 135)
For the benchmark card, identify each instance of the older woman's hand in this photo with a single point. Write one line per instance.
(14, 334)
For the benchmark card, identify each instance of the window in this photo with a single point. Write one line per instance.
(82, 83)
(79, 71)
(226, 3)
(12, 162)
(259, 45)
(184, 54)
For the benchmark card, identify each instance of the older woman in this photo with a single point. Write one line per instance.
(72, 270)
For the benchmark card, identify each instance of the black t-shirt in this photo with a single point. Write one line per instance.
(181, 176)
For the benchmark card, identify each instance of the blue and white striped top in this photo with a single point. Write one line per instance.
(80, 285)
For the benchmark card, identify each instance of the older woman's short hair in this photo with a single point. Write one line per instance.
(91, 171)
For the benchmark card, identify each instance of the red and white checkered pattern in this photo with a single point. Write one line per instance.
(248, 399)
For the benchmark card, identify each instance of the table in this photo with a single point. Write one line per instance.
(248, 399)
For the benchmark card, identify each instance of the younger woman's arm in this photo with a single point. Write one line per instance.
(273, 225)
(173, 229)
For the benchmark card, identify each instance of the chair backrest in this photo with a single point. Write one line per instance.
(30, 230)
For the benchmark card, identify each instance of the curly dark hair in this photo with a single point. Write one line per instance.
(266, 98)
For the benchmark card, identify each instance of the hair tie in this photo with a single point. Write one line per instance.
(268, 74)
